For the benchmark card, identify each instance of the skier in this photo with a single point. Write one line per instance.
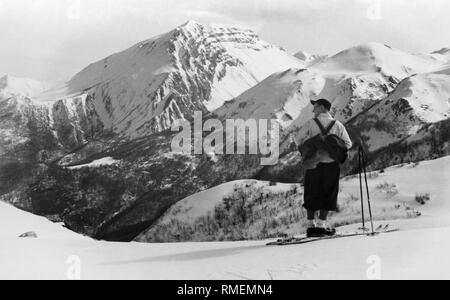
(322, 171)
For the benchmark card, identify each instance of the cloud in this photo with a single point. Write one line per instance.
(51, 38)
(265, 10)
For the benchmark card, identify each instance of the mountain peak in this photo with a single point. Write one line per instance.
(6, 78)
(377, 57)
(190, 28)
(194, 26)
(370, 50)
(310, 59)
(190, 23)
(373, 45)
(192, 67)
(4, 82)
(443, 51)
(303, 55)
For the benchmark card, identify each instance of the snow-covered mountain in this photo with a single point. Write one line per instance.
(443, 54)
(145, 88)
(354, 80)
(141, 90)
(375, 57)
(286, 96)
(417, 100)
(41, 131)
(310, 59)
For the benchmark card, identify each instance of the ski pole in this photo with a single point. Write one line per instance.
(361, 188)
(367, 188)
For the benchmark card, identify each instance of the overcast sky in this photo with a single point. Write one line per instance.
(54, 39)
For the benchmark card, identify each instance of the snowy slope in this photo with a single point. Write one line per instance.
(348, 79)
(281, 96)
(443, 54)
(427, 94)
(202, 203)
(409, 254)
(15, 222)
(417, 100)
(286, 96)
(375, 57)
(107, 161)
(10, 86)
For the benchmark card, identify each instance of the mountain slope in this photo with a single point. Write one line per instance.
(16, 222)
(443, 54)
(310, 59)
(418, 100)
(375, 57)
(34, 131)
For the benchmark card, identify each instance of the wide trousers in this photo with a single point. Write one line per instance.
(322, 187)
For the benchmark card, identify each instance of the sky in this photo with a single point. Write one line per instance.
(55, 39)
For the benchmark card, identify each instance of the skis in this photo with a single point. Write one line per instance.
(304, 240)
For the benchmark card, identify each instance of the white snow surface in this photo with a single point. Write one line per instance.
(202, 203)
(10, 85)
(428, 94)
(417, 100)
(15, 222)
(105, 161)
(370, 57)
(419, 251)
